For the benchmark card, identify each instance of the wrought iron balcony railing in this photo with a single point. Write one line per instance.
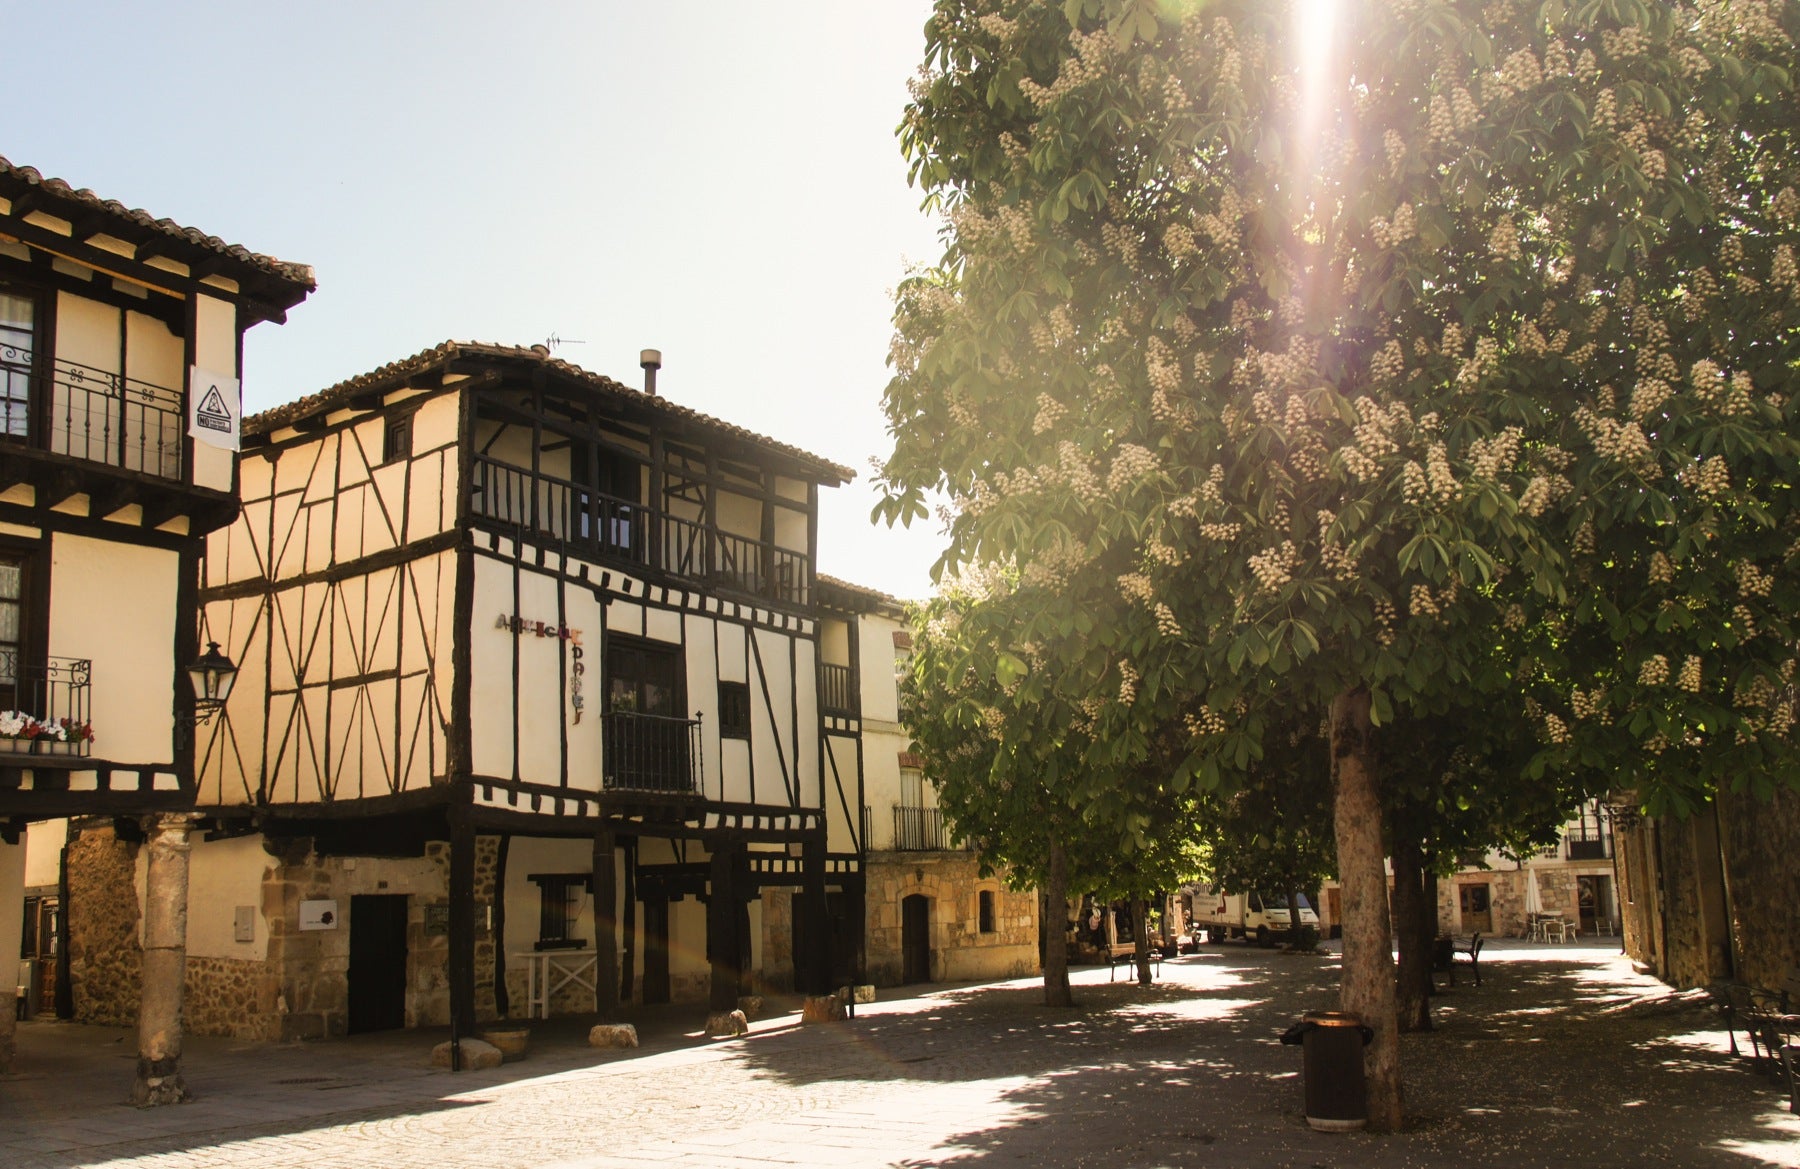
(618, 529)
(88, 413)
(650, 753)
(57, 689)
(921, 830)
(835, 693)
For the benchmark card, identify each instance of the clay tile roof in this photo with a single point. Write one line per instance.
(63, 198)
(338, 396)
(841, 594)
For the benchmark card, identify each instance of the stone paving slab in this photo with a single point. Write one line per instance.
(1564, 1056)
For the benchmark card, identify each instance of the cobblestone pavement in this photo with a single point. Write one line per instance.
(1564, 1056)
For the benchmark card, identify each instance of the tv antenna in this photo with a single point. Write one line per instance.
(552, 341)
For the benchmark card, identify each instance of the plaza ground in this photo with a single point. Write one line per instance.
(1564, 1056)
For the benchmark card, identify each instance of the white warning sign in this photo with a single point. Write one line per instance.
(213, 409)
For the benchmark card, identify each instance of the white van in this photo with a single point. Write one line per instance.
(1257, 917)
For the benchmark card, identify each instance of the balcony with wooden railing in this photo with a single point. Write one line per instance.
(592, 523)
(836, 690)
(921, 830)
(92, 414)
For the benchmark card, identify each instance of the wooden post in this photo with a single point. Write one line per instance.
(656, 945)
(462, 927)
(629, 923)
(721, 927)
(606, 929)
(12, 908)
(164, 963)
(816, 979)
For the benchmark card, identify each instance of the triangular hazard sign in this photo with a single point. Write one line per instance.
(214, 403)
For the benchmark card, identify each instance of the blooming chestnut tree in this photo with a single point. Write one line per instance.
(1333, 340)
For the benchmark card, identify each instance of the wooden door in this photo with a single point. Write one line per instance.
(915, 939)
(377, 992)
(1477, 908)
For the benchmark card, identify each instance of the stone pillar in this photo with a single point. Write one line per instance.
(12, 921)
(165, 962)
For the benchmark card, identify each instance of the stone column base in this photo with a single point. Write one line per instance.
(823, 1008)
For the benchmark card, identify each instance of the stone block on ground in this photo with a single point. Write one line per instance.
(726, 1024)
(865, 993)
(476, 1055)
(823, 1008)
(613, 1035)
(751, 1005)
(512, 1041)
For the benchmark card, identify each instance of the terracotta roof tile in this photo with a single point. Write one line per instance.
(338, 396)
(844, 595)
(298, 275)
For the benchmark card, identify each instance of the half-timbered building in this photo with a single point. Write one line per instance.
(928, 914)
(528, 713)
(120, 343)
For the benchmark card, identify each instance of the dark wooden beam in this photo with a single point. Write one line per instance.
(722, 927)
(109, 498)
(462, 926)
(606, 915)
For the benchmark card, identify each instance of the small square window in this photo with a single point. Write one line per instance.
(734, 710)
(396, 438)
(559, 907)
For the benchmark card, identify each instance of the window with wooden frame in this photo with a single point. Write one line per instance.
(19, 315)
(24, 627)
(985, 911)
(560, 897)
(397, 437)
(734, 710)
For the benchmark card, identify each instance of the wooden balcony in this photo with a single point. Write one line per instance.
(921, 830)
(836, 693)
(590, 523)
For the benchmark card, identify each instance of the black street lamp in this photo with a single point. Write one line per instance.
(213, 675)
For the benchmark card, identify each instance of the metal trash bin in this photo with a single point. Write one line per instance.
(1337, 1097)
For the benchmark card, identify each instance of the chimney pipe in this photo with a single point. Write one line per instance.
(651, 361)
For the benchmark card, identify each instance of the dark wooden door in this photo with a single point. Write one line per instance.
(915, 939)
(377, 962)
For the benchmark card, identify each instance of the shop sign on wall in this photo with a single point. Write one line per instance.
(522, 627)
(318, 915)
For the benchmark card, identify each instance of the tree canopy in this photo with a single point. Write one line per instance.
(1289, 353)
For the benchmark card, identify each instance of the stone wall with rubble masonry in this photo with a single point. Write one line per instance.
(959, 950)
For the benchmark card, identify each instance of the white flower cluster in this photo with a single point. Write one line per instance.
(1163, 553)
(1422, 603)
(1514, 617)
(1131, 465)
(1654, 671)
(1049, 413)
(1490, 456)
(1385, 615)
(1221, 532)
(1223, 225)
(1393, 233)
(1120, 241)
(1587, 66)
(1165, 621)
(1128, 683)
(1541, 492)
(1555, 729)
(1692, 62)
(1395, 146)
(1751, 580)
(1388, 364)
(1274, 567)
(1503, 242)
(1648, 396)
(1520, 72)
(1662, 569)
(1785, 206)
(1712, 479)
(1135, 586)
(1175, 97)
(1473, 370)
(1743, 620)
(1178, 240)
(1075, 471)
(1757, 20)
(1606, 109)
(1587, 704)
(1657, 743)
(1583, 542)
(1205, 721)
(1689, 679)
(1782, 271)
(1093, 52)
(1612, 439)
(1627, 42)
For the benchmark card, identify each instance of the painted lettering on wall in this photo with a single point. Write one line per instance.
(524, 627)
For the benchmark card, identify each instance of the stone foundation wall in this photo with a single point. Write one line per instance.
(229, 997)
(105, 957)
(959, 950)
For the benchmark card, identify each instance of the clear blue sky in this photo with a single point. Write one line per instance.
(717, 179)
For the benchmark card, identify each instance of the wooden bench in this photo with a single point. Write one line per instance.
(1447, 953)
(1126, 953)
(1770, 1021)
